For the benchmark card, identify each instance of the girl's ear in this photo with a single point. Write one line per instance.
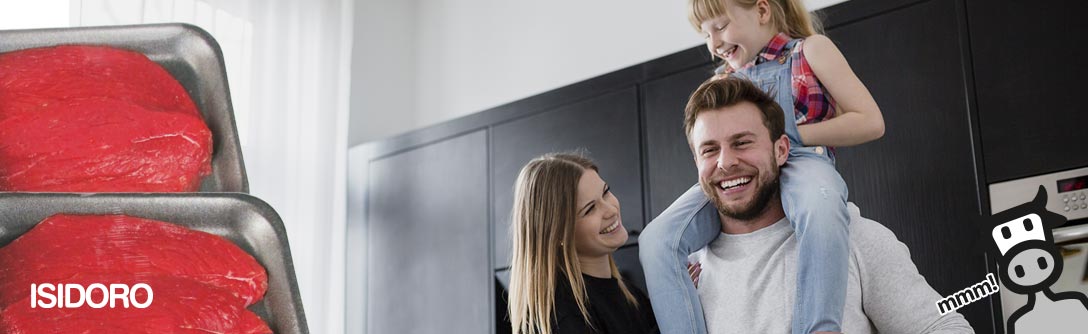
(763, 8)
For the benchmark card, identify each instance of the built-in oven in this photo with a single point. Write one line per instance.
(1067, 194)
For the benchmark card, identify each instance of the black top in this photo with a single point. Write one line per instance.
(609, 310)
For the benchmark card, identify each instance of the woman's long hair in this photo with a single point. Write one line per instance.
(543, 234)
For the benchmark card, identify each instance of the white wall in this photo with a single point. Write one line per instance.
(483, 53)
(34, 14)
(421, 62)
(383, 69)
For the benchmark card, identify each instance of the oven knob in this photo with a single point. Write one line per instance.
(1084, 205)
(1067, 209)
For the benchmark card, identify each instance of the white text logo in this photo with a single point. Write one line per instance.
(47, 295)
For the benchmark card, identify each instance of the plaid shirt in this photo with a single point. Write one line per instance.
(811, 103)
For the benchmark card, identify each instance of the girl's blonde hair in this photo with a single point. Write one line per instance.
(543, 234)
(788, 16)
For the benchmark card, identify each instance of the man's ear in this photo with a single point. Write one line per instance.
(781, 150)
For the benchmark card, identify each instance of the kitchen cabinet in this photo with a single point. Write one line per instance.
(1027, 82)
(428, 269)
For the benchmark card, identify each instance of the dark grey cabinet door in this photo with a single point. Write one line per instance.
(670, 166)
(606, 126)
(427, 265)
(919, 180)
(1027, 67)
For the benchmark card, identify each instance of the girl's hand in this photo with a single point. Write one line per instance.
(694, 270)
(858, 119)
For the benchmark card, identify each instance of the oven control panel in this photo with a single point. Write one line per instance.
(1067, 192)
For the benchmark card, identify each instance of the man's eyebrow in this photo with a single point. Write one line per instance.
(741, 135)
(731, 138)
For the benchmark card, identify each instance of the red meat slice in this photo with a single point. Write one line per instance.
(179, 306)
(97, 119)
(66, 247)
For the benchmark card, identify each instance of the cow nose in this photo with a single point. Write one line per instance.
(1031, 267)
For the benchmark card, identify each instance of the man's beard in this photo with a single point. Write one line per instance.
(764, 194)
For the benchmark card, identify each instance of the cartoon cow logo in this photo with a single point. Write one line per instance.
(1030, 263)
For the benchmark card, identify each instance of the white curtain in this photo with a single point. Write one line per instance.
(288, 66)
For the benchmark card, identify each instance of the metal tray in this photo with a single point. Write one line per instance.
(243, 219)
(192, 56)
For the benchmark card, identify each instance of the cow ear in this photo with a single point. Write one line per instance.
(1053, 220)
(1050, 219)
(1040, 197)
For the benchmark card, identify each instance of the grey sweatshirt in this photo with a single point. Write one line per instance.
(748, 283)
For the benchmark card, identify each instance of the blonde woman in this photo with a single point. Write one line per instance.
(563, 279)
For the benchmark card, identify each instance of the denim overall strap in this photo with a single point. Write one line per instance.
(776, 78)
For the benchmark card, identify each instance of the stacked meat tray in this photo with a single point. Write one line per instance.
(120, 165)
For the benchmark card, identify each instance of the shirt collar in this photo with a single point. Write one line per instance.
(779, 229)
(774, 49)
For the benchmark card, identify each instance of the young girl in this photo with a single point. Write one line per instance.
(774, 43)
(563, 280)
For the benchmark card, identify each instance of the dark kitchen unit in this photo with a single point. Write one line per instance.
(962, 112)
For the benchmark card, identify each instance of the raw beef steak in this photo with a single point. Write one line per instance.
(65, 247)
(97, 119)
